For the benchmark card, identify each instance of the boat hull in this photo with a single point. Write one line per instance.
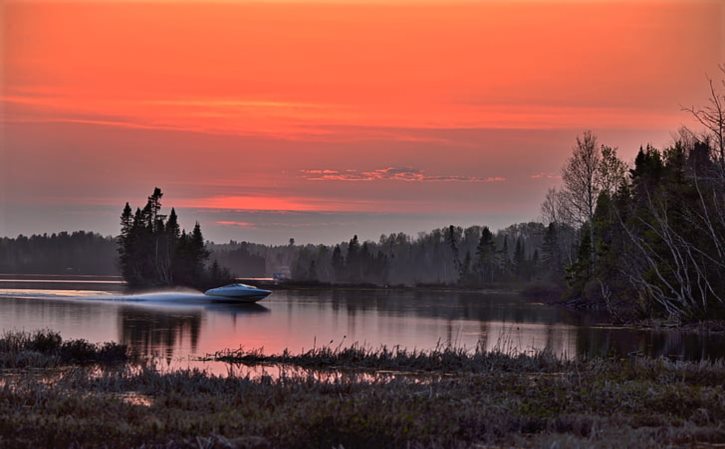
(237, 300)
(235, 294)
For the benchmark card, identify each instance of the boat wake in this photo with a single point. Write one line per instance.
(175, 296)
(51, 294)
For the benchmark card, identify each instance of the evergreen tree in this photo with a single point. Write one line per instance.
(451, 238)
(198, 253)
(503, 260)
(312, 272)
(552, 256)
(124, 241)
(338, 264)
(352, 264)
(466, 269)
(520, 259)
(486, 256)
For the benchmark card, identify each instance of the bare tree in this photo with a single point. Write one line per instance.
(590, 170)
(712, 117)
(580, 190)
(612, 170)
(553, 209)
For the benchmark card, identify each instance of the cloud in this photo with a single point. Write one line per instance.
(543, 175)
(238, 224)
(406, 174)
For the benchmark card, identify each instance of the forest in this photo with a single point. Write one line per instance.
(469, 257)
(78, 252)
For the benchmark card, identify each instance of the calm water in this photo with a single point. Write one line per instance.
(176, 326)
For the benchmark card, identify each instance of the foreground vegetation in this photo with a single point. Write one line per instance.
(492, 400)
(47, 349)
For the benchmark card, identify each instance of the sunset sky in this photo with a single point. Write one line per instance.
(316, 120)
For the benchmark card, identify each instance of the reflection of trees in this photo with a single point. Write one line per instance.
(451, 305)
(505, 322)
(158, 331)
(509, 321)
(594, 341)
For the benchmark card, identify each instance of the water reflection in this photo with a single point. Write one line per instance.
(165, 330)
(148, 330)
(178, 325)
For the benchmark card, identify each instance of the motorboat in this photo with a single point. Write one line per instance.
(237, 293)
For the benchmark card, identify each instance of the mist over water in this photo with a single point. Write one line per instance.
(177, 326)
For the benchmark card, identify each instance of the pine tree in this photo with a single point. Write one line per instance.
(338, 264)
(451, 238)
(466, 268)
(485, 255)
(197, 253)
(520, 259)
(312, 272)
(124, 241)
(353, 260)
(503, 259)
(552, 256)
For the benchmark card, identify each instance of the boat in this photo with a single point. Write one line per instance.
(237, 293)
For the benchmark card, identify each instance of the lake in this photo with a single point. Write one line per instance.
(177, 326)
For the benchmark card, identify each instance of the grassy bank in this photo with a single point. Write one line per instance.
(492, 400)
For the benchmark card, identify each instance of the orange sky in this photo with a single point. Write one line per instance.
(399, 114)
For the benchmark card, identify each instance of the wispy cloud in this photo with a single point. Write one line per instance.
(544, 175)
(238, 224)
(310, 121)
(405, 174)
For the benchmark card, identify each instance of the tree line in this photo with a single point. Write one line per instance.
(77, 252)
(470, 257)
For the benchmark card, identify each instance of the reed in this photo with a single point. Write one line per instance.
(442, 358)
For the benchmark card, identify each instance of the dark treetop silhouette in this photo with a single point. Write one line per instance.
(155, 252)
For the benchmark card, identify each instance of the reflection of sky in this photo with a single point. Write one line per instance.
(176, 325)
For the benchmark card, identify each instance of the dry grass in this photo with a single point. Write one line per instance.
(494, 400)
(442, 358)
(46, 349)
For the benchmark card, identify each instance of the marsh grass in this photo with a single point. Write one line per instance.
(486, 401)
(442, 358)
(46, 349)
